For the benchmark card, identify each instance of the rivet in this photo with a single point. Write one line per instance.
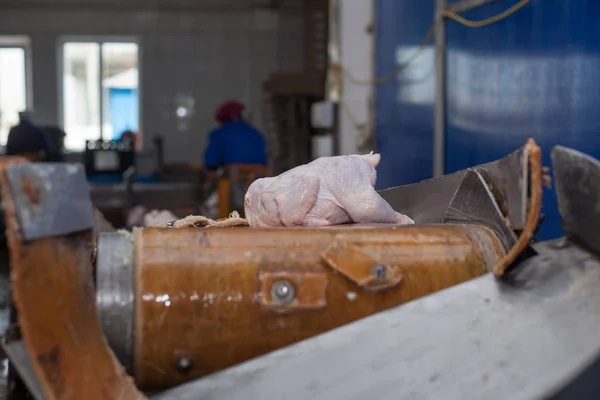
(282, 292)
(184, 364)
(379, 271)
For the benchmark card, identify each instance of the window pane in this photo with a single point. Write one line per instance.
(12, 89)
(120, 85)
(81, 96)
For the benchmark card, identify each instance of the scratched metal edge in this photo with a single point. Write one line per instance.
(52, 216)
(426, 201)
(408, 353)
(487, 211)
(577, 185)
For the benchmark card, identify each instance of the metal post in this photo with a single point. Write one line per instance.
(334, 76)
(371, 140)
(101, 88)
(439, 133)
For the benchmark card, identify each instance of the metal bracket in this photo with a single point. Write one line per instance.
(427, 201)
(473, 202)
(361, 268)
(47, 196)
(291, 291)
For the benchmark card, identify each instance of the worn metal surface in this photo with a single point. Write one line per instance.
(427, 201)
(522, 339)
(534, 160)
(577, 180)
(206, 294)
(17, 354)
(585, 386)
(53, 291)
(114, 294)
(473, 202)
(47, 196)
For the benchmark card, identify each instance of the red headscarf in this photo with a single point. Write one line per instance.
(229, 111)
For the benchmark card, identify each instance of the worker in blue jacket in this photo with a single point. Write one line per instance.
(235, 141)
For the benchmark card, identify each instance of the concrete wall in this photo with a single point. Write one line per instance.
(356, 54)
(212, 53)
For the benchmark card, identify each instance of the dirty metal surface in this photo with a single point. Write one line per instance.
(51, 194)
(522, 338)
(473, 202)
(532, 217)
(114, 293)
(427, 201)
(577, 181)
(200, 301)
(53, 292)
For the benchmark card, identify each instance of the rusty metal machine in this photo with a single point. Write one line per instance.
(178, 304)
(340, 312)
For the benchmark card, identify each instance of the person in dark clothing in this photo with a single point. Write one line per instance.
(235, 141)
(28, 140)
(57, 140)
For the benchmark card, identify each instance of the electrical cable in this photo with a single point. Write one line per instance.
(340, 68)
(487, 21)
(430, 33)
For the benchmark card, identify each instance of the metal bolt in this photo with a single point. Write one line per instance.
(282, 292)
(184, 364)
(379, 271)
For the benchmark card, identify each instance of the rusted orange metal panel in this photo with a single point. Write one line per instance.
(53, 291)
(209, 299)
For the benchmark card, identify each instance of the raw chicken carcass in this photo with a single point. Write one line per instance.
(327, 191)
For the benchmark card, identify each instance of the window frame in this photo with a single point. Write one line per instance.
(100, 40)
(21, 42)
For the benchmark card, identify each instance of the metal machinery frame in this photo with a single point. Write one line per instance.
(524, 331)
(529, 335)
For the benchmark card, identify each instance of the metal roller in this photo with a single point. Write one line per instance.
(114, 293)
(177, 304)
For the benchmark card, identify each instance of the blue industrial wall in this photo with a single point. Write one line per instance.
(404, 104)
(535, 74)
